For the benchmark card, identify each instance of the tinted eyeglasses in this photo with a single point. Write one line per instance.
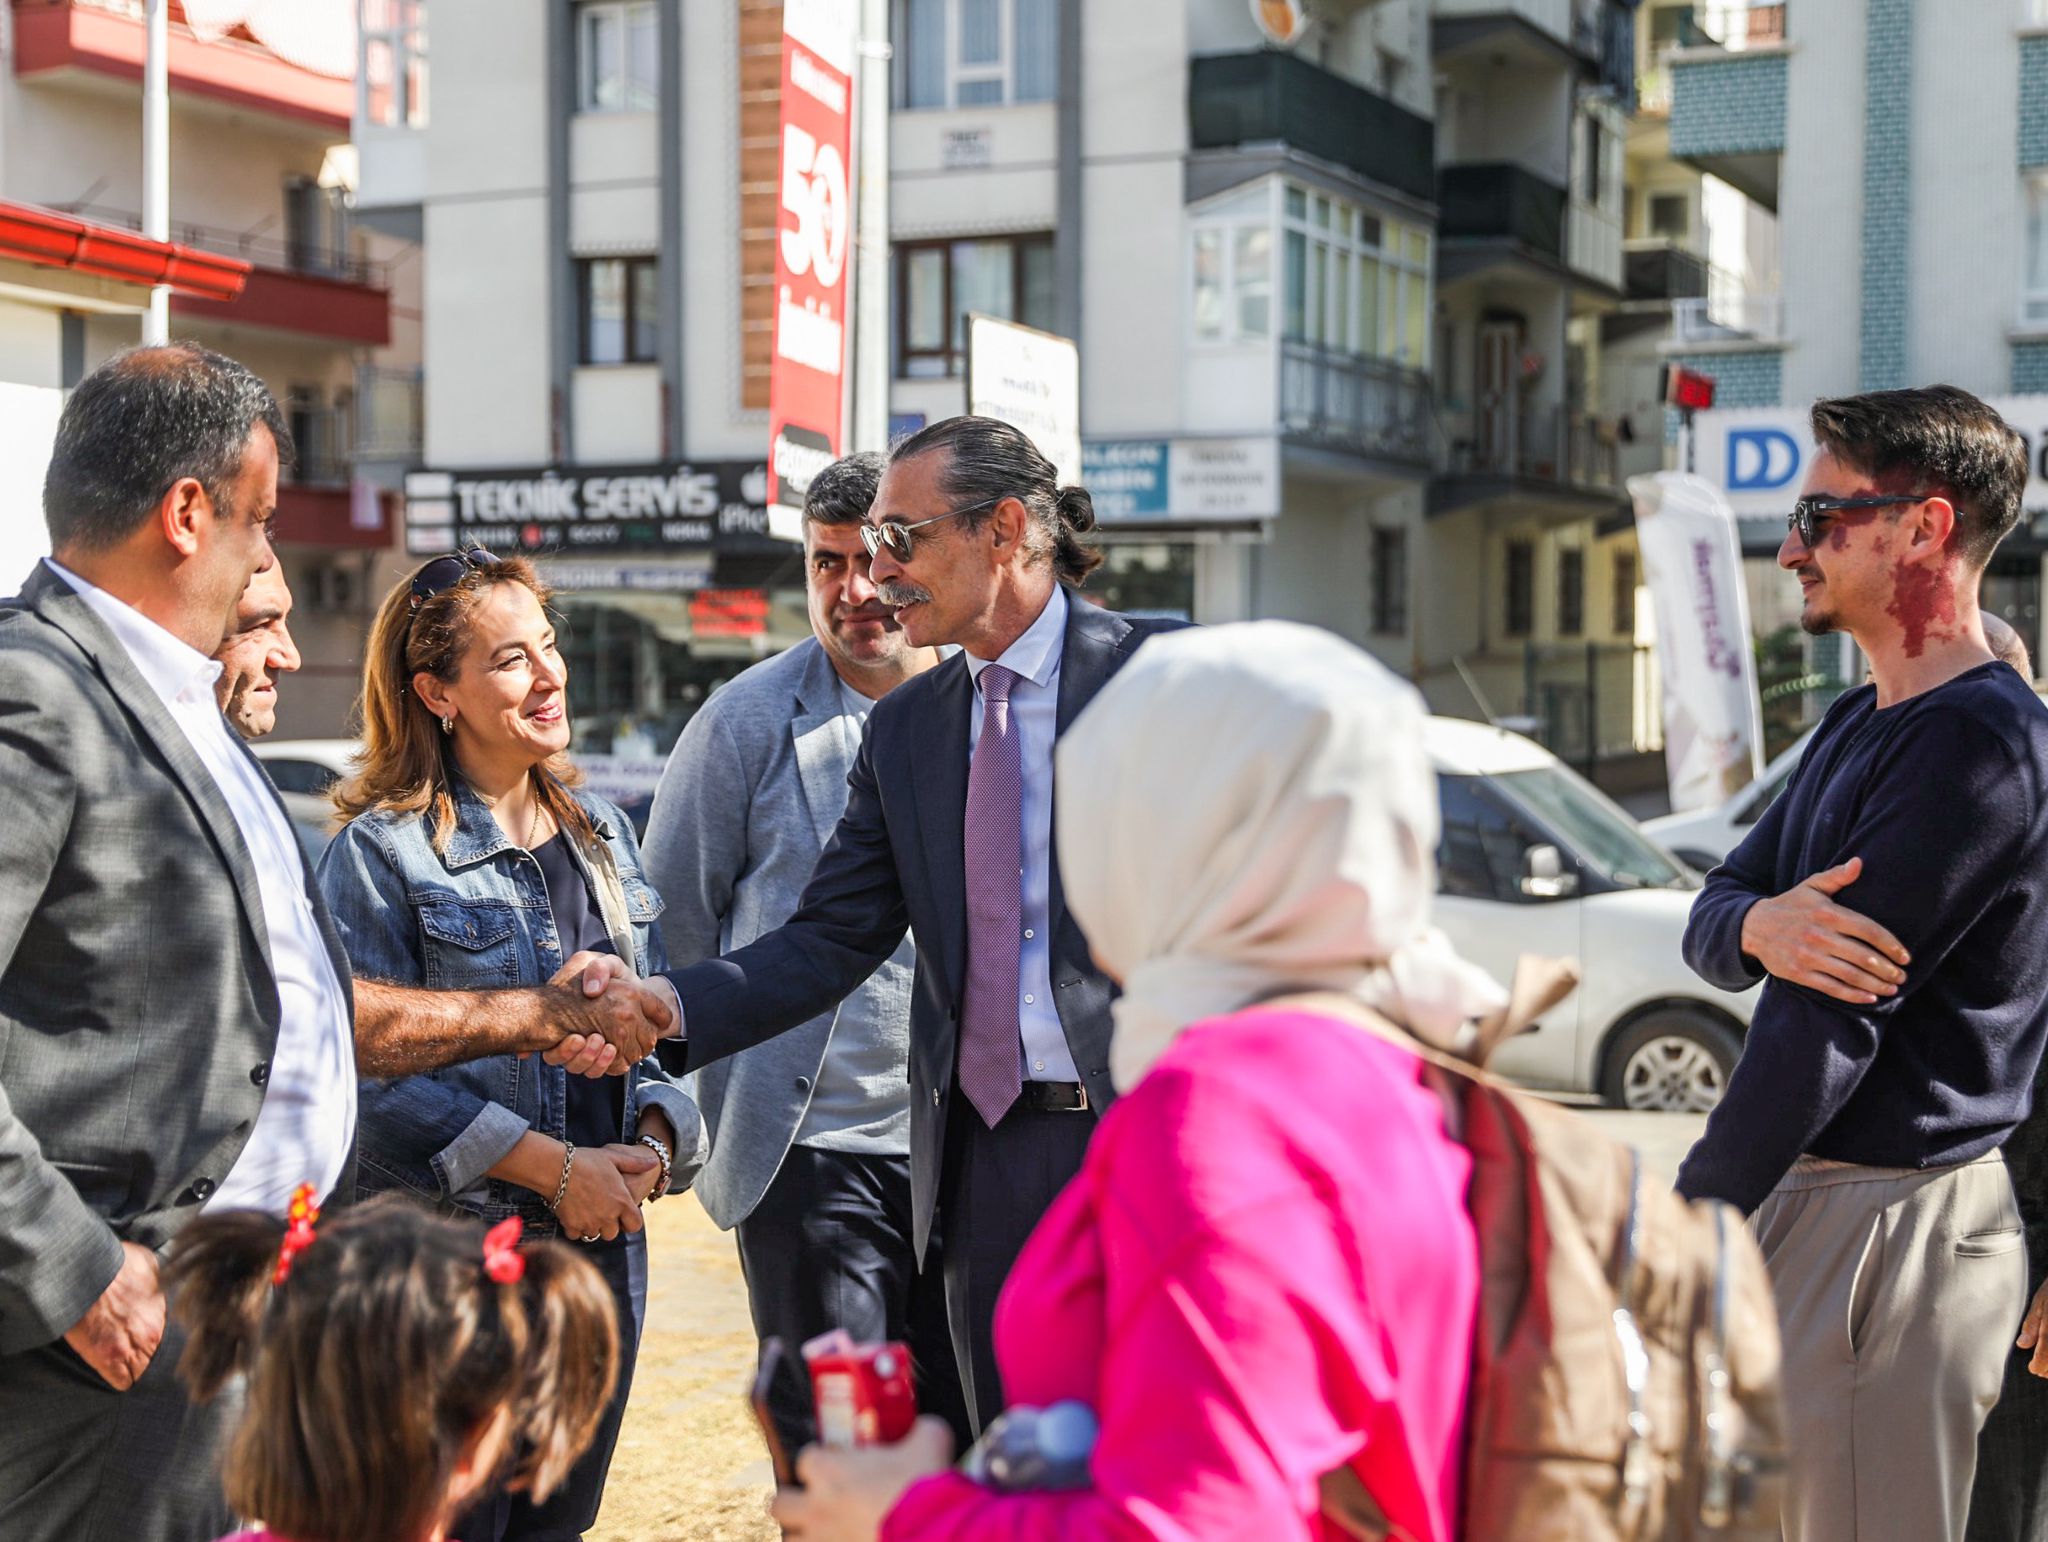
(1809, 514)
(895, 533)
(444, 573)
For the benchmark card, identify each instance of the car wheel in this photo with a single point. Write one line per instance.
(1677, 1059)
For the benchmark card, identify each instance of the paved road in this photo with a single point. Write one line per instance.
(1663, 1139)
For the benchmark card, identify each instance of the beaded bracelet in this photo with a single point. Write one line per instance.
(562, 1188)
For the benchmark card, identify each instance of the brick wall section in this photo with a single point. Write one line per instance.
(2033, 101)
(760, 170)
(1887, 190)
(2030, 369)
(1728, 106)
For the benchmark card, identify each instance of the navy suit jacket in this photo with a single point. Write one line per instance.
(897, 862)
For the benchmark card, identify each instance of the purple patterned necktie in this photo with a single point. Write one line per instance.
(991, 1066)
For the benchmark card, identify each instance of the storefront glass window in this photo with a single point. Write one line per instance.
(1145, 578)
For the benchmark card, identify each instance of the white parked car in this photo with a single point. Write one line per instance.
(305, 771)
(1703, 837)
(1534, 859)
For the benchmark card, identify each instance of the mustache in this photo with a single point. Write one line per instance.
(896, 593)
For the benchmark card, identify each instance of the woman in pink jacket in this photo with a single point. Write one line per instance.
(1265, 1270)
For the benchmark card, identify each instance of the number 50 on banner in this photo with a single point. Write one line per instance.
(806, 381)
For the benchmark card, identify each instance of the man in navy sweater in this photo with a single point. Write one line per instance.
(1896, 896)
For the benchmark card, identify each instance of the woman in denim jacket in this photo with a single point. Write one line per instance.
(469, 861)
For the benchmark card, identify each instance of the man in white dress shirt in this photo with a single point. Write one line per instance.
(175, 1014)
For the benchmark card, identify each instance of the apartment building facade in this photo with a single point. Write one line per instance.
(1900, 150)
(264, 264)
(1338, 307)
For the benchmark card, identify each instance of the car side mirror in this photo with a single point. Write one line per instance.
(1544, 875)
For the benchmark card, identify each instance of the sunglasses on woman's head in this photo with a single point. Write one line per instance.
(1809, 514)
(445, 573)
(895, 533)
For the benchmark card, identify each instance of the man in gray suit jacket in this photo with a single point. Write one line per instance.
(813, 1165)
(175, 1010)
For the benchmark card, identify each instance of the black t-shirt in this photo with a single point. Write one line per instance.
(596, 1108)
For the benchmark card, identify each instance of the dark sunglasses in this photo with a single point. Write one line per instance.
(895, 533)
(440, 575)
(1809, 514)
(444, 573)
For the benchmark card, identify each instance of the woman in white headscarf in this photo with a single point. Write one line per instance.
(1264, 1271)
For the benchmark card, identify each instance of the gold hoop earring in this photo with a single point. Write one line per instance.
(448, 724)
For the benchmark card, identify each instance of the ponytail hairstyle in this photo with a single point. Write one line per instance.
(377, 1363)
(988, 460)
(404, 766)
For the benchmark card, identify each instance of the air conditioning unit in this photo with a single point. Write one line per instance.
(336, 586)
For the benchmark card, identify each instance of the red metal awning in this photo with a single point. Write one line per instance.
(52, 240)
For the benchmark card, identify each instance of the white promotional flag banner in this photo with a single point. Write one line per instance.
(1692, 559)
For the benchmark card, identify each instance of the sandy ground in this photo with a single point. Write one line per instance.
(689, 1466)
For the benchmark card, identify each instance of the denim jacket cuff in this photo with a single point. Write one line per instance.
(462, 1163)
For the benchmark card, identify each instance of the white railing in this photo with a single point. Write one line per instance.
(1728, 317)
(1737, 25)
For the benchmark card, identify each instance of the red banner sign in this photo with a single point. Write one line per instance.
(814, 246)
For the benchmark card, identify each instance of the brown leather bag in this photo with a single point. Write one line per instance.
(1625, 1369)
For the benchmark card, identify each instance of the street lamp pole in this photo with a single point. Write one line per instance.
(871, 232)
(156, 158)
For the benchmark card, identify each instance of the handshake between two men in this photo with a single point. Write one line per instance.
(616, 1022)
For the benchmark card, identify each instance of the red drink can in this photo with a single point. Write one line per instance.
(863, 1392)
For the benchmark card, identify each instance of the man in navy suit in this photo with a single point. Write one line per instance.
(948, 833)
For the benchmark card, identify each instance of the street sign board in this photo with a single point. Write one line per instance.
(1031, 380)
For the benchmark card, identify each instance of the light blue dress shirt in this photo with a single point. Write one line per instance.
(1034, 714)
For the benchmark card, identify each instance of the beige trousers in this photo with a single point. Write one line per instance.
(1899, 1293)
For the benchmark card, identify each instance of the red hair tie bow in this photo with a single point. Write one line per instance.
(298, 1231)
(503, 1262)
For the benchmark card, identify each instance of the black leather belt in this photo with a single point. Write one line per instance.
(1054, 1097)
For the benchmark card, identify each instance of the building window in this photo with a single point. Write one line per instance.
(617, 56)
(1390, 581)
(1521, 575)
(940, 283)
(1670, 216)
(1571, 593)
(1625, 595)
(620, 303)
(1355, 281)
(1233, 269)
(2034, 283)
(1590, 163)
(393, 66)
(976, 53)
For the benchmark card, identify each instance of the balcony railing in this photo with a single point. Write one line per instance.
(1728, 317)
(1660, 270)
(1273, 97)
(1501, 201)
(321, 259)
(1734, 25)
(325, 440)
(1368, 406)
(1539, 443)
